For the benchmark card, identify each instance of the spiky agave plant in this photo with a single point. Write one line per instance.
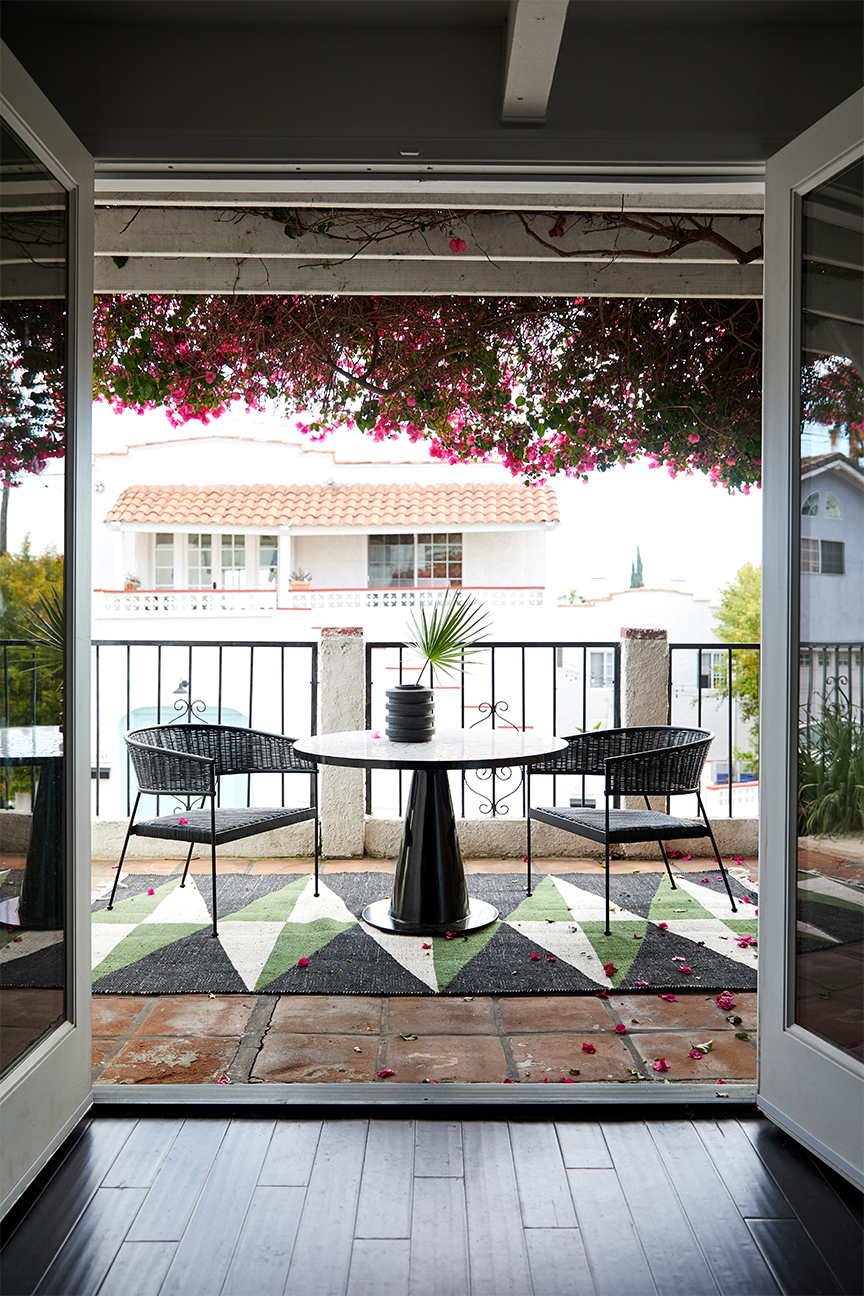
(42, 626)
(450, 634)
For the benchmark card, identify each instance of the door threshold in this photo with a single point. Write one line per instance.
(422, 1095)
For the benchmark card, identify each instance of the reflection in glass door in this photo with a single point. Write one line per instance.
(33, 386)
(829, 963)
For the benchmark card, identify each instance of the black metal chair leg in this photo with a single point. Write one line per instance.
(663, 849)
(213, 857)
(717, 855)
(188, 859)
(608, 928)
(123, 852)
(528, 852)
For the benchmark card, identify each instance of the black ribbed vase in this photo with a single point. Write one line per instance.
(410, 714)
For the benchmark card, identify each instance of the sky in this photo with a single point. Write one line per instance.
(692, 535)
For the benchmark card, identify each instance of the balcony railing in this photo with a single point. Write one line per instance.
(407, 597)
(222, 602)
(184, 603)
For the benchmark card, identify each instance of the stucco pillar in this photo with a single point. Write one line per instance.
(645, 683)
(341, 707)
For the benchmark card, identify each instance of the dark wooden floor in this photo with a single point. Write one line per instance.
(257, 1204)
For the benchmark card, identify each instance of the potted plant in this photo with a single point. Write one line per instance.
(443, 641)
(131, 582)
(300, 579)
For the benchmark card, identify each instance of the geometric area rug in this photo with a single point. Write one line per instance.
(275, 937)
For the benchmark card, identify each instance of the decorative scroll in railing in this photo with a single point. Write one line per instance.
(699, 693)
(265, 685)
(559, 687)
(174, 602)
(509, 596)
(831, 675)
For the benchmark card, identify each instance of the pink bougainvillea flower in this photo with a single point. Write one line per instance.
(449, 935)
(686, 857)
(642, 983)
(636, 936)
(661, 1065)
(756, 911)
(567, 1080)
(674, 854)
(706, 879)
(550, 958)
(376, 734)
(694, 1053)
(115, 866)
(382, 1075)
(532, 955)
(620, 1029)
(223, 1080)
(182, 821)
(602, 994)
(746, 900)
(458, 245)
(507, 1081)
(669, 998)
(663, 926)
(725, 1000)
(302, 962)
(15, 939)
(686, 970)
(428, 945)
(721, 1082)
(151, 892)
(609, 968)
(588, 1048)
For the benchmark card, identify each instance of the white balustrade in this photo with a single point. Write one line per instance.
(184, 603)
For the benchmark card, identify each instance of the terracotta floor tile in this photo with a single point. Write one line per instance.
(730, 1058)
(170, 1061)
(549, 1056)
(555, 1013)
(229, 865)
(280, 866)
(13, 861)
(463, 1058)
(101, 1049)
(427, 1016)
(328, 1014)
(358, 866)
(197, 1016)
(161, 867)
(114, 1014)
(692, 1011)
(287, 1058)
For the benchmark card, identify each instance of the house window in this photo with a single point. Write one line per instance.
(826, 556)
(810, 507)
(233, 562)
(712, 670)
(164, 560)
(200, 558)
(425, 560)
(602, 666)
(268, 560)
(833, 508)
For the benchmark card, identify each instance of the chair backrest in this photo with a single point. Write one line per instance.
(673, 758)
(234, 750)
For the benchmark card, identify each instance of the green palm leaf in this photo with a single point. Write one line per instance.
(450, 634)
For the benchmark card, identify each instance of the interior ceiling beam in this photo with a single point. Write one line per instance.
(534, 30)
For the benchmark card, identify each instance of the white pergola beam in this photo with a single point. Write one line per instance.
(534, 31)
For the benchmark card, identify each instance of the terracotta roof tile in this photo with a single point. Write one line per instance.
(355, 505)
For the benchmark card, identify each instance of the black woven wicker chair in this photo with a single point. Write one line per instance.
(186, 761)
(657, 760)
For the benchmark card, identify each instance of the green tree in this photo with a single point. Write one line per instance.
(636, 581)
(738, 620)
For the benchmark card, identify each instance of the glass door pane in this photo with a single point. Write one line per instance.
(33, 386)
(829, 963)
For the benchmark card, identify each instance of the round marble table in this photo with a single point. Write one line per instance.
(430, 894)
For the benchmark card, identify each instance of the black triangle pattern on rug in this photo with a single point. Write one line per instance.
(276, 937)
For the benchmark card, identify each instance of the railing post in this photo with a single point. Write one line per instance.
(342, 706)
(645, 683)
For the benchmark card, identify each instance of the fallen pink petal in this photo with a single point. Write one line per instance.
(678, 958)
(694, 1053)
(376, 734)
(507, 1081)
(588, 1048)
(706, 879)
(303, 962)
(663, 926)
(602, 994)
(721, 1081)
(382, 1075)
(686, 970)
(182, 821)
(620, 1029)
(532, 955)
(151, 891)
(550, 958)
(661, 1065)
(458, 245)
(449, 935)
(636, 936)
(567, 1080)
(642, 983)
(428, 945)
(223, 1080)
(669, 998)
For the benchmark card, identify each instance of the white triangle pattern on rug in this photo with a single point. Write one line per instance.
(30, 943)
(591, 907)
(715, 902)
(249, 946)
(105, 937)
(706, 931)
(325, 905)
(569, 945)
(182, 905)
(407, 951)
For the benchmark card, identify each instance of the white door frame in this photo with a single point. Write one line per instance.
(806, 1085)
(45, 1094)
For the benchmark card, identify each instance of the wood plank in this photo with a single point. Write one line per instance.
(171, 1200)
(439, 1214)
(438, 1148)
(544, 1192)
(611, 1243)
(496, 1241)
(735, 1261)
(90, 1250)
(203, 1257)
(379, 1265)
(322, 1255)
(754, 1193)
(139, 1269)
(834, 1229)
(583, 1145)
(143, 1154)
(673, 1254)
(559, 1265)
(66, 1195)
(291, 1153)
(794, 1259)
(384, 1206)
(263, 1253)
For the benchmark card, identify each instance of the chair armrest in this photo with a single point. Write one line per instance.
(660, 771)
(254, 751)
(162, 770)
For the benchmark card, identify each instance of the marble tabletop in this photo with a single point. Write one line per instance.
(449, 749)
(31, 745)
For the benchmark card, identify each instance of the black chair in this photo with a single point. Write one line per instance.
(657, 760)
(186, 761)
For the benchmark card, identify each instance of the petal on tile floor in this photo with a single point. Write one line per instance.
(249, 946)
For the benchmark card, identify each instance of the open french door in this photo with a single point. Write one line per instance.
(46, 332)
(811, 991)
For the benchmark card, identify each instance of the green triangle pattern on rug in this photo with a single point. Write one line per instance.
(138, 907)
(144, 940)
(621, 948)
(546, 904)
(296, 941)
(451, 956)
(278, 906)
(669, 905)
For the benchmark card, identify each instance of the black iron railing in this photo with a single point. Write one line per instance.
(21, 693)
(557, 687)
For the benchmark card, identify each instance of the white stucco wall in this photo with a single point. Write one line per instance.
(504, 557)
(335, 561)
